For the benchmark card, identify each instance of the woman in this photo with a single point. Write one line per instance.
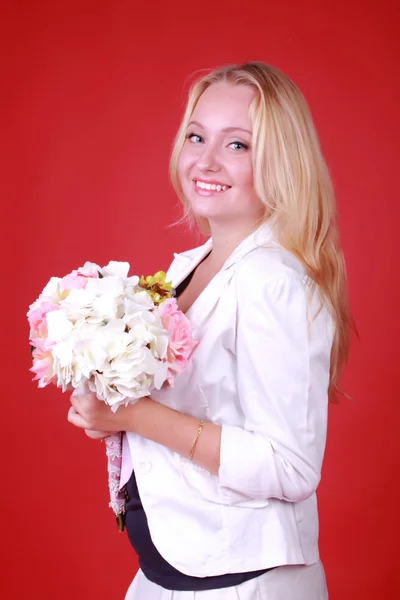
(228, 461)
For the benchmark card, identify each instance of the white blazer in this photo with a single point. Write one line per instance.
(261, 371)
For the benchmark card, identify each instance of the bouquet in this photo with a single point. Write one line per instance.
(121, 337)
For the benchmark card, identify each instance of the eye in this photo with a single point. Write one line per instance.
(194, 138)
(238, 146)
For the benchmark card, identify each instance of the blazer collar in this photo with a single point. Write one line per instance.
(185, 262)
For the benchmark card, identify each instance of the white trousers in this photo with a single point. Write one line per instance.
(292, 582)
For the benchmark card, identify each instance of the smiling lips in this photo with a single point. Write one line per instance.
(211, 187)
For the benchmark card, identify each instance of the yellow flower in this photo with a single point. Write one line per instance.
(157, 287)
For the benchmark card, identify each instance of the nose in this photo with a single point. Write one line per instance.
(207, 160)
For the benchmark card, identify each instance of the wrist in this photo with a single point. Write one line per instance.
(132, 415)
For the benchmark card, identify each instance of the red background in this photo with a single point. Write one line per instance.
(92, 94)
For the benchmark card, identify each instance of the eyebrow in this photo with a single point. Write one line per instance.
(225, 130)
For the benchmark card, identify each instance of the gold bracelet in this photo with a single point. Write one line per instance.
(196, 439)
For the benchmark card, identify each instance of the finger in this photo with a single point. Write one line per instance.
(75, 419)
(97, 435)
(75, 400)
(79, 399)
(83, 389)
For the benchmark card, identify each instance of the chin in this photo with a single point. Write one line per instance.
(207, 214)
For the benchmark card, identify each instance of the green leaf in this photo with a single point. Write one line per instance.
(32, 350)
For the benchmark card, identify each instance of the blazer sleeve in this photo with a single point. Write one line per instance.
(283, 361)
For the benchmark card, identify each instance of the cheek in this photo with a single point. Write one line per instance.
(186, 159)
(183, 168)
(244, 174)
(180, 166)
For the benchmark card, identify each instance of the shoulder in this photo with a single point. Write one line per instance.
(272, 279)
(268, 266)
(272, 284)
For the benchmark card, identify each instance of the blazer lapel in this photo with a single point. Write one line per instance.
(204, 305)
(184, 263)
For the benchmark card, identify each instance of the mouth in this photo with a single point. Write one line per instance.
(214, 186)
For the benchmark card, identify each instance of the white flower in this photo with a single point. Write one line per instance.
(147, 326)
(113, 338)
(51, 292)
(103, 390)
(89, 268)
(58, 325)
(116, 268)
(110, 286)
(78, 303)
(120, 270)
(89, 354)
(78, 356)
(134, 302)
(97, 302)
(131, 374)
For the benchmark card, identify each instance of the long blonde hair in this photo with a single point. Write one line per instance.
(293, 183)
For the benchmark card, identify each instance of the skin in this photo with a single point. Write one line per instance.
(217, 149)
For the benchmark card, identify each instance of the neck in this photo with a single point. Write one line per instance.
(226, 238)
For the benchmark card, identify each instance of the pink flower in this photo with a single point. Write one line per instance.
(73, 280)
(43, 365)
(78, 278)
(181, 343)
(37, 320)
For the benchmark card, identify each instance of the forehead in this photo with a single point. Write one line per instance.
(224, 105)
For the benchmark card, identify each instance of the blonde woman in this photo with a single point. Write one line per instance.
(223, 468)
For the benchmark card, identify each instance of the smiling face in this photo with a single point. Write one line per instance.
(215, 165)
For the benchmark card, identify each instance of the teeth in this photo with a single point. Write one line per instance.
(211, 186)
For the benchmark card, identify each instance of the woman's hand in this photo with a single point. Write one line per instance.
(150, 420)
(97, 435)
(96, 417)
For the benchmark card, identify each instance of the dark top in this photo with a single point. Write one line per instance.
(154, 566)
